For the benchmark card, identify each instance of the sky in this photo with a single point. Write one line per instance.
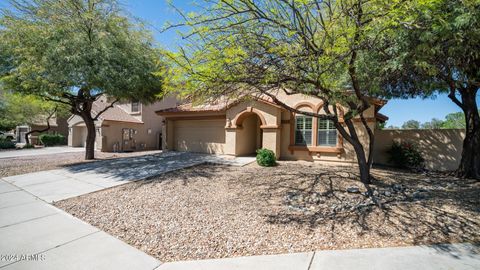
(156, 13)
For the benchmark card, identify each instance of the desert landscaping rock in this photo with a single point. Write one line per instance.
(213, 211)
(353, 190)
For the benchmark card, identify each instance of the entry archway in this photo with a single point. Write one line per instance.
(249, 133)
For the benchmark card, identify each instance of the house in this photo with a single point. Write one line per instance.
(127, 126)
(240, 127)
(58, 125)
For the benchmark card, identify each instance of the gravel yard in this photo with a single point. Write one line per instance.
(28, 164)
(213, 211)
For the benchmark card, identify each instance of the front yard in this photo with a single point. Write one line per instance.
(35, 163)
(219, 211)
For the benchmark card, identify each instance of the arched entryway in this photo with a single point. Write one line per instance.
(249, 134)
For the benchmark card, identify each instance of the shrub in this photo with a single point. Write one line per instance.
(266, 157)
(6, 144)
(52, 139)
(405, 155)
(28, 146)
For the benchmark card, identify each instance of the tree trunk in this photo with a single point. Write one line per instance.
(470, 163)
(352, 138)
(90, 142)
(363, 165)
(27, 140)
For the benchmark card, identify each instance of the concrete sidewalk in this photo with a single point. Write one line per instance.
(36, 235)
(40, 151)
(438, 257)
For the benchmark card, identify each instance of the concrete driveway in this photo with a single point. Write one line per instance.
(40, 151)
(72, 181)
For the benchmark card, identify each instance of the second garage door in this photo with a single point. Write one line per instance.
(203, 136)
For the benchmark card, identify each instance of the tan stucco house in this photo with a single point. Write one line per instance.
(240, 127)
(128, 126)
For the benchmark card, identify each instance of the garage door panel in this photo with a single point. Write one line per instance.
(204, 136)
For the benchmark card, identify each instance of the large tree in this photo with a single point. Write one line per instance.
(454, 120)
(316, 48)
(436, 49)
(74, 51)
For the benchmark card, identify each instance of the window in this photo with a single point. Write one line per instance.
(327, 133)
(303, 130)
(135, 106)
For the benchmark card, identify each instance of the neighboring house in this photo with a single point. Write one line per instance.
(240, 127)
(128, 126)
(58, 125)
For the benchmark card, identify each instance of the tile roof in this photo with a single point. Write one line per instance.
(218, 105)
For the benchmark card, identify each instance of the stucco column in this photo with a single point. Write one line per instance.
(168, 135)
(271, 140)
(230, 141)
(164, 134)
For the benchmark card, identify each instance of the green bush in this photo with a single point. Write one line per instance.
(266, 157)
(52, 139)
(6, 144)
(405, 155)
(28, 146)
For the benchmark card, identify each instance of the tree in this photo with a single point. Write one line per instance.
(454, 120)
(435, 49)
(30, 110)
(315, 48)
(433, 124)
(6, 123)
(74, 51)
(411, 124)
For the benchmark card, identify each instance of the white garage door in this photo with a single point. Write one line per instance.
(203, 136)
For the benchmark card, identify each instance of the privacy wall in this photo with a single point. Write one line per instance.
(441, 148)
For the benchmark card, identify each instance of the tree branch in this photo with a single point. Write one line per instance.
(105, 109)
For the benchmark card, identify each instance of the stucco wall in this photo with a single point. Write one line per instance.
(206, 136)
(441, 148)
(111, 133)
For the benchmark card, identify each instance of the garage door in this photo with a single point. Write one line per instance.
(203, 136)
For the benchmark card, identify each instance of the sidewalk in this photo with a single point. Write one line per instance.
(49, 238)
(438, 257)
